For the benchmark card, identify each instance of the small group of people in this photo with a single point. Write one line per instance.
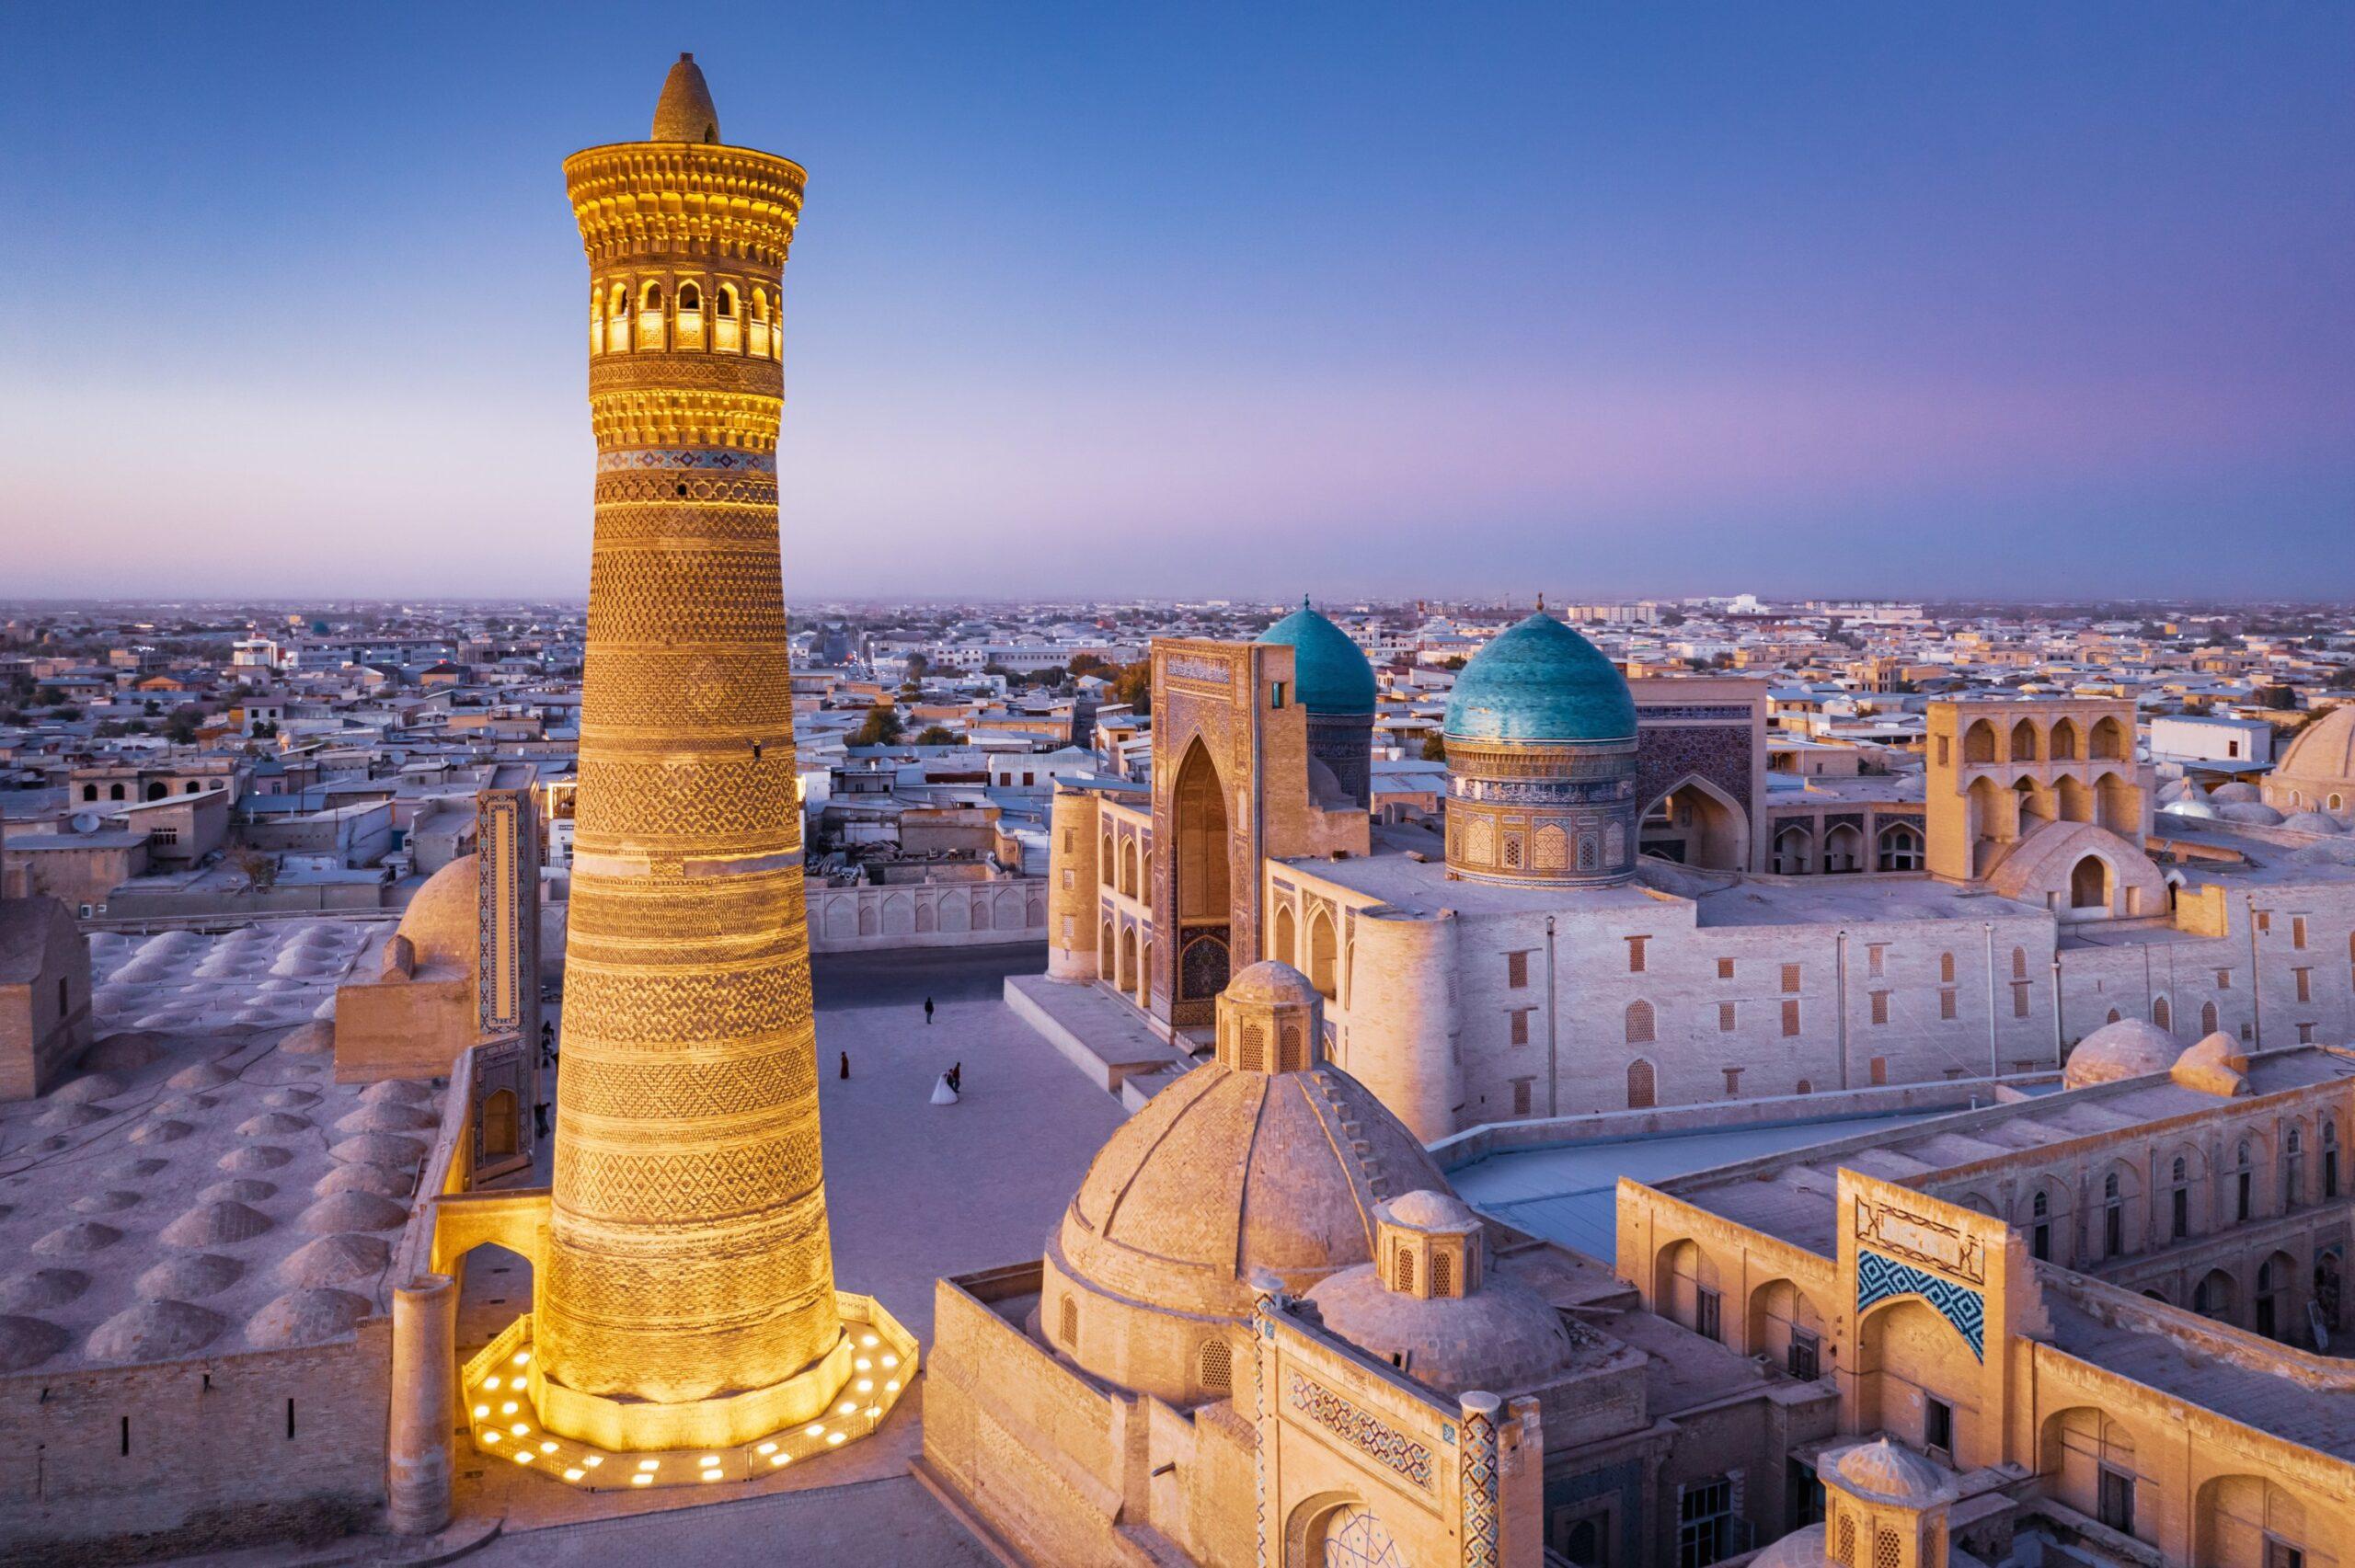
(944, 1089)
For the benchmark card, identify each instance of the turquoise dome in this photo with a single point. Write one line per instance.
(1329, 670)
(1541, 682)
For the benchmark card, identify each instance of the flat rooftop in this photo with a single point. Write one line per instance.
(1569, 1192)
(1794, 1199)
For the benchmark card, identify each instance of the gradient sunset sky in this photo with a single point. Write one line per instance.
(1350, 299)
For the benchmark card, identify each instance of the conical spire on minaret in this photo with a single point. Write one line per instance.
(685, 112)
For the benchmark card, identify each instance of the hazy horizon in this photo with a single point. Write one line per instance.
(1364, 302)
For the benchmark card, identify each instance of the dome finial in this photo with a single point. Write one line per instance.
(1541, 601)
(685, 112)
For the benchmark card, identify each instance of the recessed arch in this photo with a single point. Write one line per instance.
(1702, 824)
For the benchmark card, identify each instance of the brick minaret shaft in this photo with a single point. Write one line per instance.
(688, 1254)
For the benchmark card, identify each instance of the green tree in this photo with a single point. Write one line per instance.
(882, 728)
(1088, 664)
(2279, 697)
(919, 665)
(938, 735)
(180, 726)
(1434, 747)
(1133, 685)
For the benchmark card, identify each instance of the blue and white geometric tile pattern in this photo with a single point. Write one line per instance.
(1878, 1278)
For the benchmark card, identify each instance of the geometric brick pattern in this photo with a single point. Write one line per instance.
(688, 1250)
(1878, 1278)
(1364, 1432)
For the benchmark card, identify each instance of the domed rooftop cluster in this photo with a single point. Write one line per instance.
(1330, 671)
(1541, 682)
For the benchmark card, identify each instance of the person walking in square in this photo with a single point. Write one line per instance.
(846, 1067)
(927, 1011)
(957, 1076)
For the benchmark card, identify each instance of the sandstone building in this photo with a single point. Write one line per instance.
(1601, 924)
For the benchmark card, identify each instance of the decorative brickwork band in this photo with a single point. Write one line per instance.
(1362, 1431)
(690, 457)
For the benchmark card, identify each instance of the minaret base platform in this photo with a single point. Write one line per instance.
(601, 1444)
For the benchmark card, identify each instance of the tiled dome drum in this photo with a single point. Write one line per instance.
(1541, 758)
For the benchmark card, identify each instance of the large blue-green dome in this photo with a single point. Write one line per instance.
(1541, 682)
(1329, 670)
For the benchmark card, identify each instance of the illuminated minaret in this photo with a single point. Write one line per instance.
(688, 1295)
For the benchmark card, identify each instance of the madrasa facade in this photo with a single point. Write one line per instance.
(1614, 911)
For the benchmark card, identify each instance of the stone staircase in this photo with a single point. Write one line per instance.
(1378, 1184)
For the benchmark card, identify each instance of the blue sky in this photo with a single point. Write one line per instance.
(1348, 299)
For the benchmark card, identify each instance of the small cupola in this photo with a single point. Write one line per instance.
(1427, 1246)
(1270, 1020)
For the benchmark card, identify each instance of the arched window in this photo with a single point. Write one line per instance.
(2024, 742)
(114, 792)
(1806, 1086)
(690, 318)
(1639, 1022)
(617, 319)
(1107, 865)
(1900, 848)
(1217, 1375)
(649, 316)
(756, 331)
(690, 297)
(2206, 1019)
(2161, 1014)
(1642, 1086)
(2019, 962)
(89, 791)
(1069, 1322)
(157, 789)
(726, 321)
(2109, 741)
(191, 788)
(1442, 1274)
(1405, 1272)
(1979, 742)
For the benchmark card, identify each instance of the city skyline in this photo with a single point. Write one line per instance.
(1844, 308)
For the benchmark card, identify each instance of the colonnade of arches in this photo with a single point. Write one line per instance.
(2028, 739)
(1894, 846)
(687, 313)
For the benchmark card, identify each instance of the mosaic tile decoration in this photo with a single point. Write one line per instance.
(1479, 1489)
(698, 457)
(1878, 1278)
(1361, 1431)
